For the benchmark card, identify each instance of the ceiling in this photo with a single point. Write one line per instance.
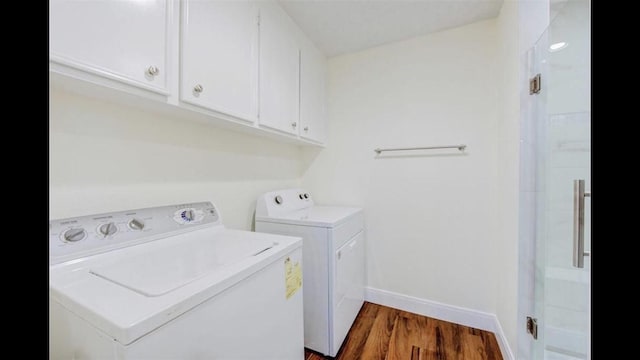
(343, 26)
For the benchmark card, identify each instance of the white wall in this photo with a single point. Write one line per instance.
(508, 161)
(106, 157)
(431, 217)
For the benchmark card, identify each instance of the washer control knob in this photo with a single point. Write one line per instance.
(300, 196)
(189, 215)
(73, 235)
(306, 195)
(278, 199)
(136, 224)
(108, 229)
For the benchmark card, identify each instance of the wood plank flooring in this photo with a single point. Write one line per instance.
(384, 333)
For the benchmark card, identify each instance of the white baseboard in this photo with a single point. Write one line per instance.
(437, 310)
(507, 354)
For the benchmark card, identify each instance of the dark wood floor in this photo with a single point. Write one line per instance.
(384, 333)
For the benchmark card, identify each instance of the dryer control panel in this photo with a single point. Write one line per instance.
(283, 201)
(77, 237)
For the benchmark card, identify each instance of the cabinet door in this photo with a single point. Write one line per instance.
(279, 70)
(220, 56)
(313, 73)
(125, 40)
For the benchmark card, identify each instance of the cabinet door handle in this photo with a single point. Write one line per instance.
(294, 124)
(153, 71)
(198, 88)
(306, 128)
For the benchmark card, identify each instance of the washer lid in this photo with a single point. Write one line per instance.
(159, 272)
(322, 216)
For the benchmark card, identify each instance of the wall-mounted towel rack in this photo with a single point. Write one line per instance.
(459, 147)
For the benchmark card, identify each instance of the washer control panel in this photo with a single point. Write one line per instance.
(77, 237)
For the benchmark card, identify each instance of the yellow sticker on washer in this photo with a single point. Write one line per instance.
(292, 277)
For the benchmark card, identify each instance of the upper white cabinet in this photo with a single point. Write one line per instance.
(125, 40)
(279, 70)
(313, 74)
(219, 64)
(238, 63)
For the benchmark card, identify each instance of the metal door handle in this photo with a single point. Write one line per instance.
(578, 223)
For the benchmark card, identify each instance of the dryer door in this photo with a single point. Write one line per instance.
(349, 287)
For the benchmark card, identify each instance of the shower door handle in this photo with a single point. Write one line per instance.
(578, 223)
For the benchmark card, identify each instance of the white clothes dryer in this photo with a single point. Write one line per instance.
(172, 283)
(333, 255)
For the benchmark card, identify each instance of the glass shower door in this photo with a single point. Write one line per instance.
(563, 155)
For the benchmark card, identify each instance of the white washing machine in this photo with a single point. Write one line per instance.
(333, 261)
(172, 283)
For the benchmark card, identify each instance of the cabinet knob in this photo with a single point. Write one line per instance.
(198, 88)
(153, 71)
(294, 124)
(306, 128)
